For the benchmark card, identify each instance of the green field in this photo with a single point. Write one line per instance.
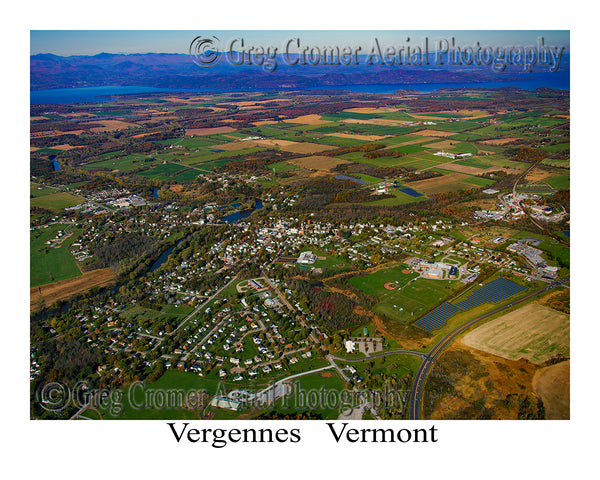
(410, 300)
(48, 265)
(307, 391)
(122, 164)
(559, 147)
(282, 167)
(480, 182)
(399, 198)
(39, 191)
(56, 201)
(561, 182)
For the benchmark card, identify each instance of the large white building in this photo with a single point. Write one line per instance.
(306, 258)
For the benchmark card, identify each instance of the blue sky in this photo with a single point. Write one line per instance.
(92, 42)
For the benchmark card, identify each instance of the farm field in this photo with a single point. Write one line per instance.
(56, 201)
(318, 162)
(48, 294)
(47, 264)
(400, 198)
(122, 164)
(534, 332)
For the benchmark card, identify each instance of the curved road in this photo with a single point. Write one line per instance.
(416, 393)
(382, 354)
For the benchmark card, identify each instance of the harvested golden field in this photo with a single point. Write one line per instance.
(534, 332)
(371, 110)
(265, 122)
(274, 142)
(445, 183)
(433, 133)
(50, 293)
(537, 176)
(140, 135)
(474, 170)
(111, 125)
(209, 131)
(313, 119)
(466, 114)
(33, 119)
(190, 100)
(306, 147)
(318, 162)
(552, 384)
(499, 141)
(368, 138)
(66, 147)
(376, 121)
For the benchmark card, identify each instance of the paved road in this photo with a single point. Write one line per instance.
(382, 354)
(416, 393)
(195, 312)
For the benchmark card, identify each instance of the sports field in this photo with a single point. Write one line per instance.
(403, 296)
(56, 201)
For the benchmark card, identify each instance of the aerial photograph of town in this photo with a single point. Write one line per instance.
(299, 225)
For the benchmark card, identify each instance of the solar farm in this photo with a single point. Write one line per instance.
(492, 292)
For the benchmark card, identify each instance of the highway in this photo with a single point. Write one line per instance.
(416, 393)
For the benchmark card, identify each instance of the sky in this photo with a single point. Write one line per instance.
(92, 42)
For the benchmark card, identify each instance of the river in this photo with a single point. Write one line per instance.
(237, 216)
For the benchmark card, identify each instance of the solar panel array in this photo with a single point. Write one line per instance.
(411, 192)
(494, 291)
(437, 318)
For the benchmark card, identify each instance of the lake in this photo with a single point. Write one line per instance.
(237, 216)
(560, 80)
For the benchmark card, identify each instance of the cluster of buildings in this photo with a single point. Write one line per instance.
(453, 156)
(434, 270)
(533, 256)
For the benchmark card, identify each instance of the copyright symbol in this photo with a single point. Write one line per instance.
(206, 52)
(54, 396)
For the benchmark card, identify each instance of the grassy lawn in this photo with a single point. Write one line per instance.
(400, 198)
(561, 182)
(123, 164)
(282, 167)
(56, 201)
(51, 264)
(39, 191)
(408, 301)
(312, 392)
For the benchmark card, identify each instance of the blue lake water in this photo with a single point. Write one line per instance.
(55, 164)
(560, 80)
(237, 216)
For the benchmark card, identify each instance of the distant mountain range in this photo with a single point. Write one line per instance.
(179, 71)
